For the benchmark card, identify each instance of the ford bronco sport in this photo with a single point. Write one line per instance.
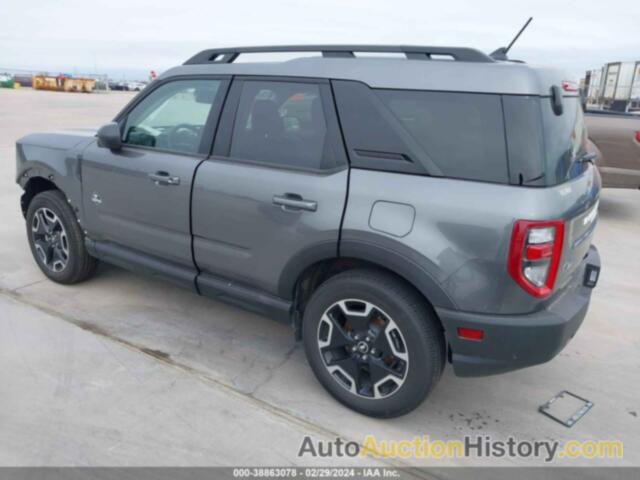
(424, 206)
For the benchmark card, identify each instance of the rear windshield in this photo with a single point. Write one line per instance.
(564, 140)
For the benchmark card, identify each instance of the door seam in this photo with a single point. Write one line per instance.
(346, 150)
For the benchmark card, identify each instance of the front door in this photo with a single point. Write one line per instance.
(274, 191)
(136, 200)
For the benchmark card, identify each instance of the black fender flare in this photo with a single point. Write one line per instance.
(302, 261)
(397, 259)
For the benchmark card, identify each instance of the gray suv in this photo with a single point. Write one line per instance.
(400, 211)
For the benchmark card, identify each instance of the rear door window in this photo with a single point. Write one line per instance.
(282, 124)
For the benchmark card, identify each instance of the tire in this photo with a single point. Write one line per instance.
(410, 342)
(56, 239)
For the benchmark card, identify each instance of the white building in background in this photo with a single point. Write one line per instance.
(615, 86)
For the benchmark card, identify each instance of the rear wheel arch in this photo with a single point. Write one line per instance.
(312, 277)
(318, 263)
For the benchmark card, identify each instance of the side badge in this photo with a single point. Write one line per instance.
(95, 198)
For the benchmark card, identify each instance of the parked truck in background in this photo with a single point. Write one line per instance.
(615, 137)
(616, 87)
(593, 86)
(634, 98)
(611, 99)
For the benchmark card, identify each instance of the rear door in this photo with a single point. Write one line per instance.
(272, 195)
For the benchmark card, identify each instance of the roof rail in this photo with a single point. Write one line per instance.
(228, 55)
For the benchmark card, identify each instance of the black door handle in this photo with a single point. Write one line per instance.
(164, 178)
(293, 201)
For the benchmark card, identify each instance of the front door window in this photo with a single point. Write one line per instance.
(172, 117)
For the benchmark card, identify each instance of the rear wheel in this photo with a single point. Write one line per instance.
(373, 342)
(56, 240)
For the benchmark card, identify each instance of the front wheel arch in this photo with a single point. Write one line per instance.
(33, 187)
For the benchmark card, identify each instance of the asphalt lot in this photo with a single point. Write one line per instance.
(125, 370)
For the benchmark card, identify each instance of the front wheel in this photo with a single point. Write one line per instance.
(373, 342)
(56, 240)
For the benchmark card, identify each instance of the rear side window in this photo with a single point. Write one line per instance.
(457, 135)
(463, 133)
(281, 123)
(374, 137)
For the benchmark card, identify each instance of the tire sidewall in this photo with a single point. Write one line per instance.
(419, 378)
(56, 203)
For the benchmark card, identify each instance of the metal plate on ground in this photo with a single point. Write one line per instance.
(566, 408)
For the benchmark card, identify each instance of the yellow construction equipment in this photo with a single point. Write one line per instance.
(63, 84)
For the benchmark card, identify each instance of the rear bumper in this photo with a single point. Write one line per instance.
(512, 342)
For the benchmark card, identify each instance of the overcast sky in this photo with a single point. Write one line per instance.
(129, 37)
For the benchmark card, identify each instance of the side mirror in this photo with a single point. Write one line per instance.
(109, 136)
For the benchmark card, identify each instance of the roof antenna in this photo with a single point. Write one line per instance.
(501, 53)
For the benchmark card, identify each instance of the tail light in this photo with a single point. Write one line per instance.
(534, 255)
(638, 136)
